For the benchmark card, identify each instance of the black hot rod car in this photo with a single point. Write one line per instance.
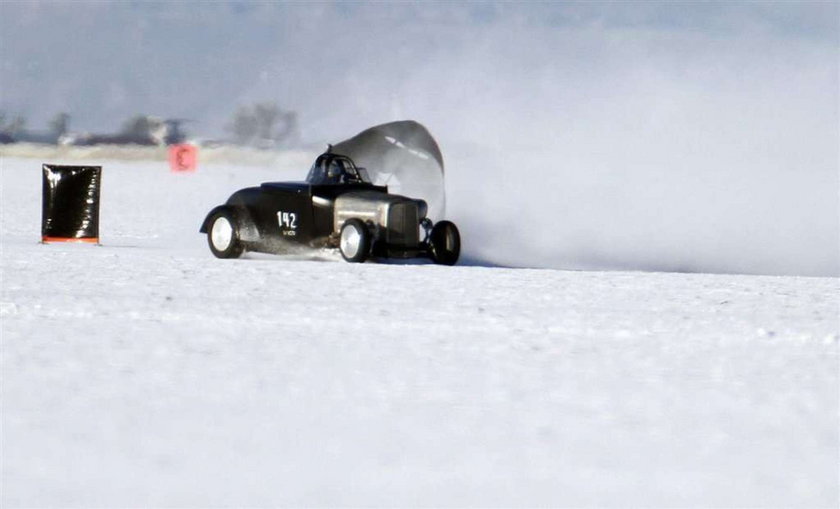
(340, 206)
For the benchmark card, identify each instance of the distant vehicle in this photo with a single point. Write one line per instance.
(150, 131)
(340, 206)
(88, 139)
(42, 137)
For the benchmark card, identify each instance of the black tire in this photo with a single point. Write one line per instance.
(445, 243)
(223, 235)
(354, 241)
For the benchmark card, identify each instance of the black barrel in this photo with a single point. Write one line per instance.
(70, 205)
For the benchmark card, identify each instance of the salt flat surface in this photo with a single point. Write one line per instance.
(144, 372)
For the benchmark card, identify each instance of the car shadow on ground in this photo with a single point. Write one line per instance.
(332, 255)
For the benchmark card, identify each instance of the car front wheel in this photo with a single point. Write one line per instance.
(354, 242)
(222, 236)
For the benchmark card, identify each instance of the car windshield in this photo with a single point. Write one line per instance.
(335, 169)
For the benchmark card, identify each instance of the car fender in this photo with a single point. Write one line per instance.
(246, 229)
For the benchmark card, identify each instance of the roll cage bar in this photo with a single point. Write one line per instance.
(336, 169)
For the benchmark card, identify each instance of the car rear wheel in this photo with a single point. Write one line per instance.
(354, 242)
(445, 243)
(222, 236)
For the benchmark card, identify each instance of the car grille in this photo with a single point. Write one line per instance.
(403, 224)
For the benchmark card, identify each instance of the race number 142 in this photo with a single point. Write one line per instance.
(287, 221)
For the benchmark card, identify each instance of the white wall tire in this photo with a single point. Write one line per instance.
(222, 236)
(354, 241)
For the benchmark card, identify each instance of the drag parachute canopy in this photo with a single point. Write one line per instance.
(403, 156)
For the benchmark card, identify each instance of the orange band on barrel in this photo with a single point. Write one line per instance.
(87, 240)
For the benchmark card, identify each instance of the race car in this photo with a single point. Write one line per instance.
(340, 206)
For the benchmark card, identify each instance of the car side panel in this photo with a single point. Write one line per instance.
(280, 217)
(286, 214)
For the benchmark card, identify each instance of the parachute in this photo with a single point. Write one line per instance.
(404, 156)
